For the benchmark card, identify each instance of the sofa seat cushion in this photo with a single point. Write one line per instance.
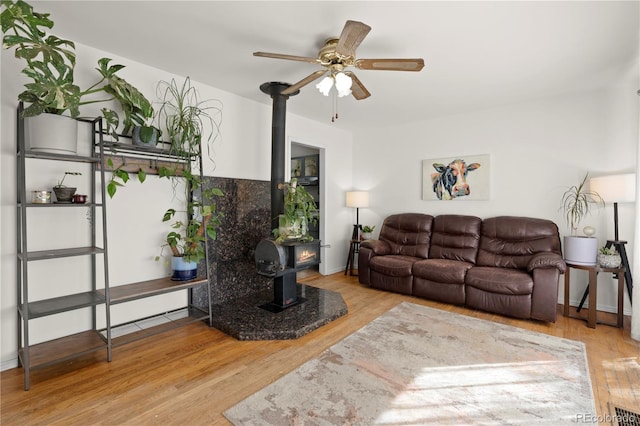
(441, 270)
(500, 280)
(393, 265)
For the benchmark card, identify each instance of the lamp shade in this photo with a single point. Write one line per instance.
(615, 188)
(357, 199)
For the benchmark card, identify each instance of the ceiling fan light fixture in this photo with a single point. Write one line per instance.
(343, 84)
(325, 85)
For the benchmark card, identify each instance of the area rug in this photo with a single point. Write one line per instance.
(419, 365)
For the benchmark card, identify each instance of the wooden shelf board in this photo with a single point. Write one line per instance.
(56, 305)
(128, 292)
(195, 315)
(64, 348)
(63, 157)
(67, 252)
(54, 204)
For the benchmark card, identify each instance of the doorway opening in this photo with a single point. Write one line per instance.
(307, 166)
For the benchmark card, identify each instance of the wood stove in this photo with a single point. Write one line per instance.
(282, 261)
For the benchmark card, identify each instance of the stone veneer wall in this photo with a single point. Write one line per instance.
(246, 206)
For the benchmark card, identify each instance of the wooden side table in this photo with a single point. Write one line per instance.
(354, 248)
(593, 291)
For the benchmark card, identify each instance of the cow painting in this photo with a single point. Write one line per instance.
(450, 181)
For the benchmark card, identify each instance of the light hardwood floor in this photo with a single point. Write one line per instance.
(191, 375)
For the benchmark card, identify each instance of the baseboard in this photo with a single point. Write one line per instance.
(8, 365)
(603, 308)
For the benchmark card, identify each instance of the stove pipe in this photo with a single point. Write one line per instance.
(278, 126)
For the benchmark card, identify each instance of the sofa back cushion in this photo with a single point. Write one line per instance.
(455, 237)
(408, 234)
(510, 242)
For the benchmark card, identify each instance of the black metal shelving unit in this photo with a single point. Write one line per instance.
(61, 349)
(66, 348)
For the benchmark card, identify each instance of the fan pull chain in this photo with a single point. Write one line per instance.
(334, 114)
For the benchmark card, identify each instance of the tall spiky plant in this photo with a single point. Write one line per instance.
(577, 202)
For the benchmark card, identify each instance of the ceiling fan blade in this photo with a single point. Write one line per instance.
(352, 35)
(288, 57)
(415, 64)
(308, 79)
(357, 88)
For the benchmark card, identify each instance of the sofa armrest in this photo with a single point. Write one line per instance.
(378, 247)
(547, 260)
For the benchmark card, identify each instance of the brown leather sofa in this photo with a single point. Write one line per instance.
(507, 265)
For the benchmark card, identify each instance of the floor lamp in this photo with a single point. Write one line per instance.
(357, 199)
(617, 189)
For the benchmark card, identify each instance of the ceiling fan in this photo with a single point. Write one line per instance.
(339, 53)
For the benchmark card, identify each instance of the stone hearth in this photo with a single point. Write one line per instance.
(237, 290)
(244, 319)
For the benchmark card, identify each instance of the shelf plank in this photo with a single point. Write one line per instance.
(54, 204)
(128, 292)
(54, 254)
(195, 315)
(64, 348)
(70, 302)
(60, 157)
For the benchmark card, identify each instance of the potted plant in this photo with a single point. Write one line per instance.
(608, 257)
(51, 93)
(186, 240)
(577, 201)
(367, 232)
(300, 210)
(64, 194)
(187, 120)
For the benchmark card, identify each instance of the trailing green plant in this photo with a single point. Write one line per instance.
(188, 237)
(61, 181)
(51, 63)
(120, 177)
(300, 209)
(577, 202)
(368, 229)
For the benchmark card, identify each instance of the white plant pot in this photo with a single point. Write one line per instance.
(51, 133)
(581, 250)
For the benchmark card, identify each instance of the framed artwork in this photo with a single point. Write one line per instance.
(306, 166)
(456, 178)
(296, 167)
(311, 165)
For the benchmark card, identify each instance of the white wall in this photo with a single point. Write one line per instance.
(135, 230)
(537, 150)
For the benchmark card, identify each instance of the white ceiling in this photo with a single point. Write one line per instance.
(477, 54)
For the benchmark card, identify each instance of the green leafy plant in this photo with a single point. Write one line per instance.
(61, 181)
(120, 177)
(609, 251)
(300, 209)
(188, 237)
(577, 202)
(188, 121)
(368, 229)
(50, 66)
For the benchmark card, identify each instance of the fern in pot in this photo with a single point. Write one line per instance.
(577, 202)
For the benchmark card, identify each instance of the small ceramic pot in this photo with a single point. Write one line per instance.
(79, 198)
(64, 194)
(609, 260)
